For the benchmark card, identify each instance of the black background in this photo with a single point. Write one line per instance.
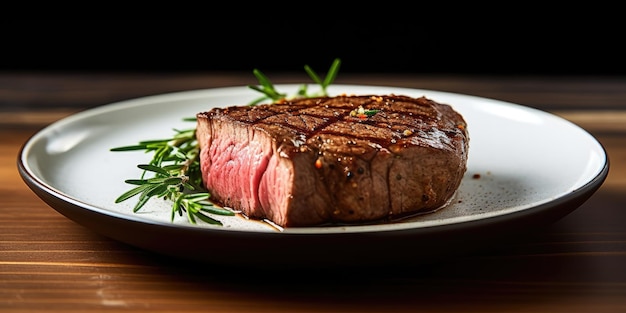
(367, 45)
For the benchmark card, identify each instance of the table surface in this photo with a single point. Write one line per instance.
(49, 263)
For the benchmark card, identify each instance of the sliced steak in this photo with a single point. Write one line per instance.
(317, 161)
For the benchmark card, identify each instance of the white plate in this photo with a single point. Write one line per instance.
(534, 168)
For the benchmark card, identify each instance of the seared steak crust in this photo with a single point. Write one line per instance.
(316, 161)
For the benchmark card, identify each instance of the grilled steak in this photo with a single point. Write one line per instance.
(333, 160)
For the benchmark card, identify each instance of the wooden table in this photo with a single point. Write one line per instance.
(49, 263)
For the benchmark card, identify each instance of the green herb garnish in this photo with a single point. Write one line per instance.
(176, 176)
(362, 113)
(270, 93)
(174, 173)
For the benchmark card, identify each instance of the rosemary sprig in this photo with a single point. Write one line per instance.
(174, 172)
(267, 88)
(175, 175)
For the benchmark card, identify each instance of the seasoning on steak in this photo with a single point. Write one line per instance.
(333, 160)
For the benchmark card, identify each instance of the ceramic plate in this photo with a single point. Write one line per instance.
(526, 168)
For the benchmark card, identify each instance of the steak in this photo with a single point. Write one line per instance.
(349, 159)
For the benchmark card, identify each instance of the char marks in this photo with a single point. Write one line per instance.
(399, 119)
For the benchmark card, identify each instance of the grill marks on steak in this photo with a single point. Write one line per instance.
(309, 162)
